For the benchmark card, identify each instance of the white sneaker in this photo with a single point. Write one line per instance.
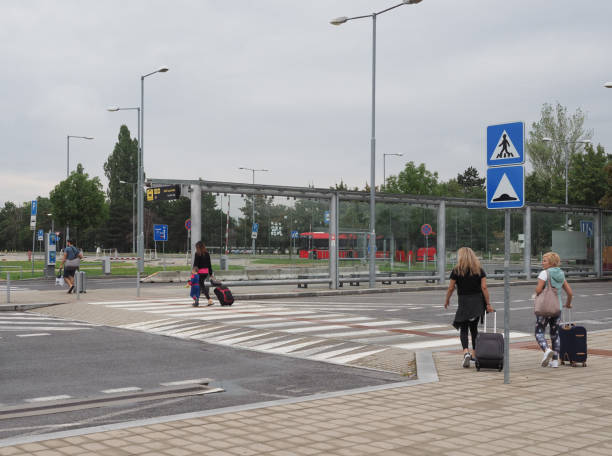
(554, 363)
(466, 360)
(548, 354)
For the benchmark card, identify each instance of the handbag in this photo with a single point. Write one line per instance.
(547, 302)
(74, 263)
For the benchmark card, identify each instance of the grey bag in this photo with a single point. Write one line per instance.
(547, 302)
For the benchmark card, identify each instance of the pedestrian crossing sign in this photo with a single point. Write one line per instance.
(505, 144)
(506, 187)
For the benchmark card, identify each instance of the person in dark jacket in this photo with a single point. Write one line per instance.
(473, 298)
(201, 260)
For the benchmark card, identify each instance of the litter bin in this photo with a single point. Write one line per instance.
(223, 263)
(106, 265)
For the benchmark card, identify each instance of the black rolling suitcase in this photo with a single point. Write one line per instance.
(490, 347)
(573, 342)
(224, 295)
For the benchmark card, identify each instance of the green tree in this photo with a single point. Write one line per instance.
(14, 223)
(547, 158)
(587, 176)
(472, 185)
(121, 165)
(606, 201)
(79, 202)
(414, 180)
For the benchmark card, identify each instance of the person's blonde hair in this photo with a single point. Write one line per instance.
(553, 259)
(467, 262)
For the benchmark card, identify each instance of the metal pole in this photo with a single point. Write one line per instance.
(441, 256)
(372, 243)
(134, 218)
(527, 240)
(507, 297)
(333, 241)
(252, 238)
(33, 247)
(67, 175)
(8, 287)
(566, 183)
(140, 202)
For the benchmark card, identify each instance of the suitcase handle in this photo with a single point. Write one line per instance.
(569, 321)
(484, 327)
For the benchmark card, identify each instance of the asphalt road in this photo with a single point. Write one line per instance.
(592, 305)
(82, 361)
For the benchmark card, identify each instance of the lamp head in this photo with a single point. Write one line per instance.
(608, 85)
(163, 69)
(113, 108)
(88, 137)
(411, 2)
(339, 20)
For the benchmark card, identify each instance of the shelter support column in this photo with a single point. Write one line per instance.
(527, 238)
(333, 240)
(597, 244)
(196, 217)
(441, 256)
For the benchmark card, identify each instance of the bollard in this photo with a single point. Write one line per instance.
(8, 287)
(77, 283)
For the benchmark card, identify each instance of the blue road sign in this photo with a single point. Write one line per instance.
(255, 228)
(295, 234)
(40, 235)
(505, 187)
(586, 227)
(160, 233)
(34, 208)
(505, 144)
(326, 217)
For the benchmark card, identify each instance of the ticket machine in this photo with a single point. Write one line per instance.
(50, 254)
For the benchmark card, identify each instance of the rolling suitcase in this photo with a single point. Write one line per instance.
(490, 347)
(573, 342)
(224, 295)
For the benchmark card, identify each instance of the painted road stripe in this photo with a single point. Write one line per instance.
(48, 398)
(40, 328)
(239, 340)
(196, 381)
(33, 335)
(314, 328)
(127, 389)
(361, 332)
(312, 351)
(282, 340)
(331, 354)
(348, 358)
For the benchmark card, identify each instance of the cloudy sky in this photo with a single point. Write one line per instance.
(271, 84)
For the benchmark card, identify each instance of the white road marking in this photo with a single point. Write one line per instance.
(48, 398)
(196, 381)
(331, 354)
(33, 335)
(355, 356)
(127, 389)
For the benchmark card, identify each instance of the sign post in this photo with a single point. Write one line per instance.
(426, 230)
(33, 228)
(506, 190)
(160, 233)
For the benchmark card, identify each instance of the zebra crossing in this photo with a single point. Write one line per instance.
(20, 324)
(331, 336)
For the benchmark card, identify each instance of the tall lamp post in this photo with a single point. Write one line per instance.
(253, 171)
(133, 184)
(385, 167)
(372, 241)
(566, 145)
(68, 170)
(140, 180)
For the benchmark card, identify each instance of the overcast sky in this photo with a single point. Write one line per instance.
(271, 84)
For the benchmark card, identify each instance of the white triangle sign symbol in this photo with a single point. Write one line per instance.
(504, 149)
(505, 191)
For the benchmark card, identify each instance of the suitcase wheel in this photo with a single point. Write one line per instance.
(573, 364)
(477, 366)
(583, 364)
(500, 367)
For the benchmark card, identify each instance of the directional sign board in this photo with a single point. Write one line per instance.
(170, 192)
(505, 187)
(160, 233)
(505, 144)
(326, 217)
(255, 228)
(586, 227)
(295, 234)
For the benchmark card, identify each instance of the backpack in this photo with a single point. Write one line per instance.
(224, 295)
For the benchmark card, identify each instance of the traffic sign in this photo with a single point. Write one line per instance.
(506, 187)
(586, 227)
(160, 233)
(326, 217)
(505, 144)
(40, 235)
(426, 229)
(255, 229)
(253, 234)
(34, 208)
(295, 234)
(188, 224)
(170, 192)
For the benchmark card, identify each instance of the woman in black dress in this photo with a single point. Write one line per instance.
(201, 260)
(473, 297)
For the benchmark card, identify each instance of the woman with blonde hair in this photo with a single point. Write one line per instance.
(553, 274)
(473, 298)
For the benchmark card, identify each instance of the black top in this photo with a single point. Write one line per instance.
(203, 261)
(469, 284)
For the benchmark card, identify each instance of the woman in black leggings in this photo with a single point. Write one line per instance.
(201, 260)
(471, 282)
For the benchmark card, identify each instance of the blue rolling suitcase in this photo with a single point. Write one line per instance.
(573, 342)
(489, 347)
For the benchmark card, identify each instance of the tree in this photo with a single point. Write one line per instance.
(606, 201)
(414, 180)
(548, 157)
(121, 165)
(79, 202)
(587, 176)
(472, 185)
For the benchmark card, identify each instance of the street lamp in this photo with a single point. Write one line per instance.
(133, 184)
(384, 165)
(68, 168)
(566, 145)
(253, 170)
(372, 242)
(140, 181)
(608, 85)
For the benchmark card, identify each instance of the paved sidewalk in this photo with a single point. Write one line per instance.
(543, 412)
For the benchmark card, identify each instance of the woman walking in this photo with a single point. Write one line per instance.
(201, 260)
(551, 270)
(473, 298)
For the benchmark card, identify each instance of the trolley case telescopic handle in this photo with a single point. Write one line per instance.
(494, 321)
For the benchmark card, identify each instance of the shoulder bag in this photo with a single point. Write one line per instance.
(547, 302)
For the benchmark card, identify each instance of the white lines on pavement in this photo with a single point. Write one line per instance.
(128, 389)
(355, 356)
(315, 328)
(39, 328)
(33, 335)
(331, 354)
(48, 398)
(195, 381)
